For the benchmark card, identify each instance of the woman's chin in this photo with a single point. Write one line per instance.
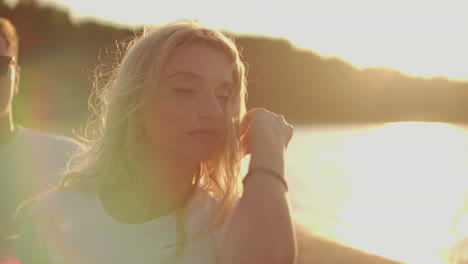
(198, 156)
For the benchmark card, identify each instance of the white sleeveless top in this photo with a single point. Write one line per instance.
(72, 227)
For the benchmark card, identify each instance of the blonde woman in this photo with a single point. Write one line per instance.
(159, 181)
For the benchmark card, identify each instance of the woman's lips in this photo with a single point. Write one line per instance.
(204, 133)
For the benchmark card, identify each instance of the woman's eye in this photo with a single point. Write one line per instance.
(224, 97)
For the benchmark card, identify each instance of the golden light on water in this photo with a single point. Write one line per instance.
(393, 189)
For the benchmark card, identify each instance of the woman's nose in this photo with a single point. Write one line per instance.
(210, 107)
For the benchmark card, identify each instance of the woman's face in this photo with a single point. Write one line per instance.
(186, 118)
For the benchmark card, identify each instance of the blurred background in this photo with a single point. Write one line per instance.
(377, 92)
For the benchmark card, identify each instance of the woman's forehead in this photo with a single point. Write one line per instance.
(198, 60)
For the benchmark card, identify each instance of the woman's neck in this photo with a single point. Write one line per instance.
(164, 187)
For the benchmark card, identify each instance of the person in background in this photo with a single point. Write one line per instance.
(159, 180)
(30, 161)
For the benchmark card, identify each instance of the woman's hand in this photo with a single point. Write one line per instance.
(265, 135)
(262, 128)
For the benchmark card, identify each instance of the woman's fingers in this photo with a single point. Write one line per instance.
(289, 133)
(244, 131)
(245, 123)
(261, 125)
(245, 144)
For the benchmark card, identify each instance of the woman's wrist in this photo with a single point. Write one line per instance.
(268, 157)
(266, 172)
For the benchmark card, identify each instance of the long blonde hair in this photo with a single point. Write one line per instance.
(113, 148)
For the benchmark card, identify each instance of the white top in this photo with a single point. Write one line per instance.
(30, 163)
(73, 227)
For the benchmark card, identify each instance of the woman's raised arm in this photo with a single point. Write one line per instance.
(261, 229)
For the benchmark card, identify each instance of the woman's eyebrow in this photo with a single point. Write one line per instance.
(188, 74)
(225, 84)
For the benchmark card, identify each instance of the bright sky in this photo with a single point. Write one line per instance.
(423, 37)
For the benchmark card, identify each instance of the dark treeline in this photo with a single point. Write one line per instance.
(58, 58)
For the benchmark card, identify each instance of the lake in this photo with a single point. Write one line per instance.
(393, 189)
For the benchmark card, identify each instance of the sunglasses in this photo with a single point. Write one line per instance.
(5, 62)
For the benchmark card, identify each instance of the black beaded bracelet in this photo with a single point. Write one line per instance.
(273, 173)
